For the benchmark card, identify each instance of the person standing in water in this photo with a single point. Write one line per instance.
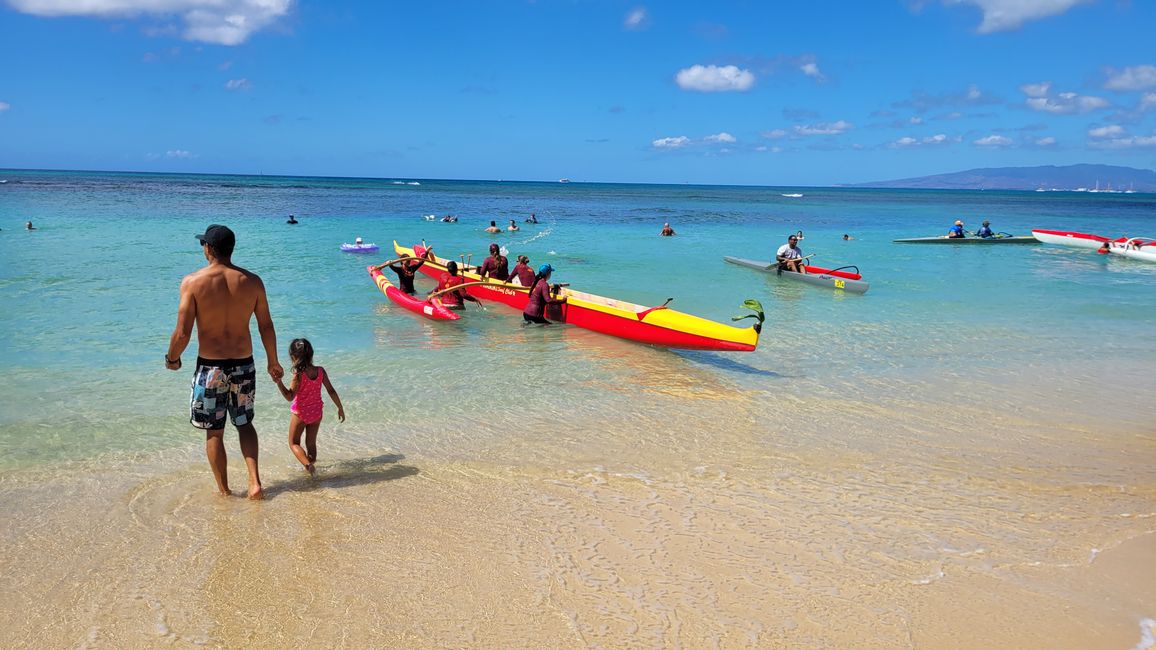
(522, 273)
(493, 228)
(513, 227)
(406, 270)
(541, 295)
(667, 231)
(220, 300)
(304, 396)
(453, 299)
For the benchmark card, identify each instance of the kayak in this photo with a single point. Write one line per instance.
(1001, 238)
(830, 278)
(1072, 239)
(434, 310)
(1137, 248)
(359, 248)
(658, 325)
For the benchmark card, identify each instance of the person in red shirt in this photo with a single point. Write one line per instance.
(522, 273)
(541, 295)
(496, 265)
(450, 279)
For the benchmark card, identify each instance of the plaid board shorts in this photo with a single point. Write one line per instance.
(222, 387)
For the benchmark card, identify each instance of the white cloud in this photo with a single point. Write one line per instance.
(774, 134)
(1037, 90)
(1003, 15)
(638, 18)
(720, 137)
(713, 78)
(915, 119)
(1147, 101)
(1136, 77)
(1125, 142)
(225, 22)
(994, 141)
(671, 143)
(1063, 103)
(929, 141)
(824, 128)
(1110, 131)
(4, 106)
(811, 69)
(238, 84)
(1045, 142)
(179, 153)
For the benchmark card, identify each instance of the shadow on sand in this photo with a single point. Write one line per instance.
(348, 473)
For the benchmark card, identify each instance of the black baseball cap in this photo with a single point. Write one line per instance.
(219, 238)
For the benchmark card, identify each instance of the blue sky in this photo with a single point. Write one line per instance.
(729, 92)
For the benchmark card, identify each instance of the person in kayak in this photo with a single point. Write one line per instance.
(541, 295)
(406, 271)
(493, 228)
(522, 273)
(513, 227)
(790, 256)
(667, 231)
(985, 230)
(453, 299)
(496, 265)
(956, 231)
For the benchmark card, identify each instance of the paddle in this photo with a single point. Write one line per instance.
(447, 290)
(801, 259)
(400, 259)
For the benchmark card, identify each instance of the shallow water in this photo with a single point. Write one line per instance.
(971, 439)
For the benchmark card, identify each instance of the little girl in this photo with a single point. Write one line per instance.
(304, 393)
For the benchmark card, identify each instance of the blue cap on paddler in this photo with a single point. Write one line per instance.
(544, 269)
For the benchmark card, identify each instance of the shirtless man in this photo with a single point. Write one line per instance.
(221, 299)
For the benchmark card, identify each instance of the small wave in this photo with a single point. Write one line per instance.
(1147, 634)
(938, 575)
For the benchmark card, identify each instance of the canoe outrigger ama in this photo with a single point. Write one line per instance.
(658, 325)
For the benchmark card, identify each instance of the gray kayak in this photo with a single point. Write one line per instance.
(944, 239)
(837, 279)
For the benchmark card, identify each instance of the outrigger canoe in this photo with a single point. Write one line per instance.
(1072, 239)
(429, 309)
(999, 238)
(658, 325)
(1137, 248)
(837, 279)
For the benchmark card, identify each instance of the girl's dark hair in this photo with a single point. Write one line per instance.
(302, 351)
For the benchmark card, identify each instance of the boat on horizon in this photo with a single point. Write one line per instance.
(563, 180)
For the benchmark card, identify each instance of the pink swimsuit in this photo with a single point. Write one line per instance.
(307, 403)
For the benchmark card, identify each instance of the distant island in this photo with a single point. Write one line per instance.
(1071, 178)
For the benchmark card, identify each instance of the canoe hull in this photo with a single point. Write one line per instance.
(1136, 249)
(654, 326)
(1016, 239)
(1070, 239)
(837, 280)
(431, 310)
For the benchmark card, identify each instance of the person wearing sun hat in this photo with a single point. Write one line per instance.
(985, 230)
(541, 295)
(956, 231)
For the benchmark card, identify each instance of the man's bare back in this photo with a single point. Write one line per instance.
(223, 299)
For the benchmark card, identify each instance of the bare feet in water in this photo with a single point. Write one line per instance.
(312, 470)
(256, 493)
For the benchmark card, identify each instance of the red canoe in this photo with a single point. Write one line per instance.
(434, 310)
(653, 325)
(1072, 239)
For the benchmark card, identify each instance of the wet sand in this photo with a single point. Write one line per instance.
(850, 529)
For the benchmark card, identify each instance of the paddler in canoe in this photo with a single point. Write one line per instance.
(449, 280)
(541, 295)
(985, 230)
(790, 256)
(956, 231)
(496, 265)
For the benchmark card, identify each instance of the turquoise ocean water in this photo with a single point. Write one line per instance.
(89, 301)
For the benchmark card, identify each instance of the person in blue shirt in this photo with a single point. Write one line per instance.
(956, 231)
(985, 230)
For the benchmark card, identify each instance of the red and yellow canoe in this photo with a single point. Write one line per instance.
(653, 325)
(429, 309)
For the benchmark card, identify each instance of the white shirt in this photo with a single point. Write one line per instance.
(789, 253)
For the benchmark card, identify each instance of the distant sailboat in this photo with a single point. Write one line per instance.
(563, 180)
